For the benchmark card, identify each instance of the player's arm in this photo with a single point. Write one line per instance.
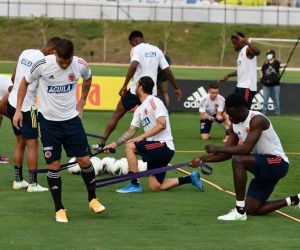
(13, 75)
(18, 117)
(124, 138)
(204, 116)
(130, 73)
(86, 85)
(257, 125)
(226, 77)
(252, 50)
(169, 75)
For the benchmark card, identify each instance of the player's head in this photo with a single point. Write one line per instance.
(213, 91)
(270, 54)
(236, 108)
(237, 44)
(64, 53)
(135, 38)
(144, 85)
(50, 47)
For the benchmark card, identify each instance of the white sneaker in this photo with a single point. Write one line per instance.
(233, 215)
(36, 188)
(17, 185)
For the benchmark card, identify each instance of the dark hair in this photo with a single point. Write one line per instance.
(52, 42)
(271, 52)
(238, 33)
(135, 34)
(235, 100)
(213, 86)
(147, 84)
(65, 48)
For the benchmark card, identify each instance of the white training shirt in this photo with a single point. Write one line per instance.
(147, 113)
(268, 142)
(57, 87)
(211, 107)
(26, 60)
(5, 83)
(246, 70)
(149, 58)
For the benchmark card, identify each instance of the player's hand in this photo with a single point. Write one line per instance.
(80, 107)
(223, 79)
(211, 149)
(210, 118)
(195, 162)
(18, 119)
(106, 149)
(178, 94)
(123, 91)
(219, 118)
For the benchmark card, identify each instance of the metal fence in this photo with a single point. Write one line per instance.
(273, 15)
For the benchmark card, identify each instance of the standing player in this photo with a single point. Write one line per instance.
(145, 60)
(5, 88)
(261, 154)
(59, 117)
(155, 145)
(27, 135)
(212, 110)
(246, 67)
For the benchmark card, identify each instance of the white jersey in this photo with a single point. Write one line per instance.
(268, 142)
(246, 70)
(26, 60)
(211, 107)
(147, 113)
(149, 58)
(57, 87)
(5, 83)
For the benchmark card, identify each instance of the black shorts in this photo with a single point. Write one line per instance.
(247, 94)
(70, 134)
(156, 154)
(29, 129)
(130, 100)
(269, 169)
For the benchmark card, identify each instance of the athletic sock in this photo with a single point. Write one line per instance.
(134, 181)
(293, 200)
(54, 183)
(240, 206)
(88, 176)
(184, 180)
(18, 174)
(32, 177)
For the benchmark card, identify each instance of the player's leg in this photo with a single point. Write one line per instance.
(205, 127)
(275, 94)
(266, 96)
(164, 90)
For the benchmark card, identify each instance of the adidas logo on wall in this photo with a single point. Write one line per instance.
(258, 100)
(193, 101)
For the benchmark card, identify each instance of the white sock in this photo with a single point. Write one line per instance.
(288, 201)
(240, 203)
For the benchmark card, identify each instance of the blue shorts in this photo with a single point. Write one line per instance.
(70, 134)
(205, 125)
(130, 100)
(247, 94)
(156, 154)
(269, 169)
(29, 129)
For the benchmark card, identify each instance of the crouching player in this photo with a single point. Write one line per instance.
(261, 154)
(59, 117)
(155, 145)
(212, 110)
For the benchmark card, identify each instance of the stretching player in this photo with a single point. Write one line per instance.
(155, 145)
(212, 110)
(27, 135)
(145, 60)
(261, 154)
(59, 118)
(5, 88)
(246, 67)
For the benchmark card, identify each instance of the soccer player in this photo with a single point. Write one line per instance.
(145, 60)
(261, 154)
(27, 135)
(246, 72)
(212, 110)
(5, 87)
(155, 145)
(60, 118)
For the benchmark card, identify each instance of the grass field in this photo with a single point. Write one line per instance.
(182, 218)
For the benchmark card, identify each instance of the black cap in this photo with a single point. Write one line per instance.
(271, 52)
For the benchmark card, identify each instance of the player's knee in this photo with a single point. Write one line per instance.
(83, 162)
(205, 137)
(237, 161)
(129, 147)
